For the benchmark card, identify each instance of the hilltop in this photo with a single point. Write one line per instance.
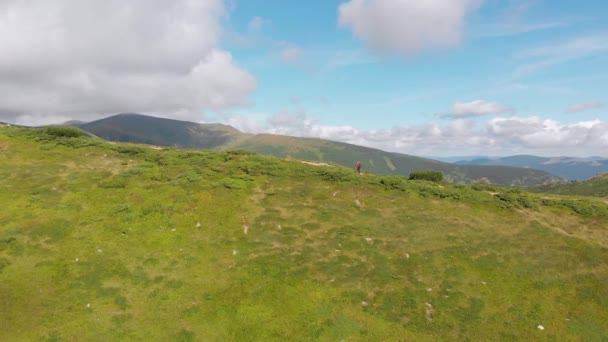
(116, 241)
(166, 132)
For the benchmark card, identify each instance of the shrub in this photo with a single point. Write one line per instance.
(433, 176)
(113, 182)
(397, 183)
(128, 149)
(65, 131)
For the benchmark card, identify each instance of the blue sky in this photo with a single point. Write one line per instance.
(433, 77)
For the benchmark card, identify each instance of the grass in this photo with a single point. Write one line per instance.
(596, 186)
(104, 241)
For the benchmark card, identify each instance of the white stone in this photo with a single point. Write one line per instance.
(540, 327)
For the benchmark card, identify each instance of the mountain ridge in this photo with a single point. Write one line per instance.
(145, 129)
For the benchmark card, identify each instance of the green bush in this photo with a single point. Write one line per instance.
(128, 149)
(433, 176)
(65, 131)
(394, 182)
(113, 182)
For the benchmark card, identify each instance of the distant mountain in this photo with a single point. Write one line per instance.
(596, 186)
(454, 159)
(166, 132)
(76, 123)
(144, 129)
(565, 167)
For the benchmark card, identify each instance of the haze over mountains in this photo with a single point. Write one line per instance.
(138, 128)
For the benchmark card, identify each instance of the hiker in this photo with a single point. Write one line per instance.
(359, 167)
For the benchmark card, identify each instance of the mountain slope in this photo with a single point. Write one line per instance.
(159, 131)
(118, 242)
(164, 132)
(596, 186)
(381, 162)
(564, 167)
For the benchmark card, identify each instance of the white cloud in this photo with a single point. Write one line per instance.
(583, 106)
(543, 57)
(257, 23)
(86, 58)
(406, 27)
(539, 133)
(291, 54)
(499, 136)
(244, 124)
(475, 109)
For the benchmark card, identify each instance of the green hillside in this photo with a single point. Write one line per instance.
(143, 129)
(386, 163)
(106, 241)
(165, 132)
(596, 186)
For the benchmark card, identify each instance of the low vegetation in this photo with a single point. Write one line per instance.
(64, 131)
(103, 241)
(432, 176)
(596, 186)
(136, 128)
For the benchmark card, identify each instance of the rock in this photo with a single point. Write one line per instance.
(540, 327)
(245, 229)
(88, 305)
(364, 303)
(407, 256)
(357, 203)
(235, 251)
(99, 250)
(198, 225)
(369, 239)
(429, 311)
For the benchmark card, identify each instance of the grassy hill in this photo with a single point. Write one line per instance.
(162, 132)
(596, 186)
(165, 132)
(102, 241)
(565, 167)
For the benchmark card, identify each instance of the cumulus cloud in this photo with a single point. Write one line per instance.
(583, 106)
(475, 109)
(81, 59)
(499, 136)
(407, 27)
(538, 133)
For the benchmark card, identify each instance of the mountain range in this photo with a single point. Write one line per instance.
(137, 128)
(565, 167)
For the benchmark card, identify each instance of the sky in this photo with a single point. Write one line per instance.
(422, 77)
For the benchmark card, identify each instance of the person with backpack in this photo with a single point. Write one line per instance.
(359, 167)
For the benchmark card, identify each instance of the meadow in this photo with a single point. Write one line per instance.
(104, 241)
